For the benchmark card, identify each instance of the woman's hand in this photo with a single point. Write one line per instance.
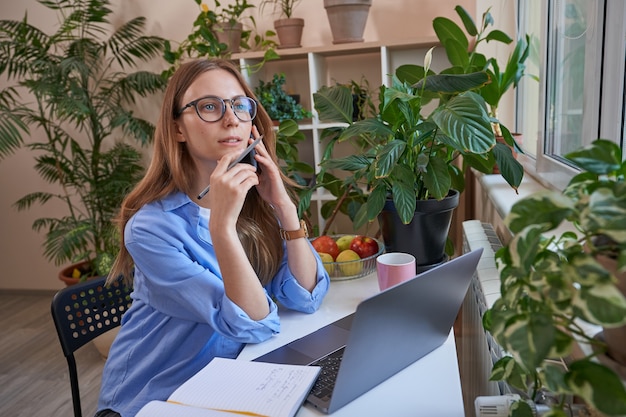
(229, 188)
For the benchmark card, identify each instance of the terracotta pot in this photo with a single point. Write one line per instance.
(230, 35)
(65, 274)
(289, 32)
(347, 19)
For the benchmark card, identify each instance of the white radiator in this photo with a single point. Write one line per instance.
(476, 348)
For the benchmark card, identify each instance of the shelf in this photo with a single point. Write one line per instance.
(343, 49)
(307, 69)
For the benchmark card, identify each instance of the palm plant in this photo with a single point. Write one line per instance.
(70, 106)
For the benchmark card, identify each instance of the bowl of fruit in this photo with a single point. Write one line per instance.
(348, 256)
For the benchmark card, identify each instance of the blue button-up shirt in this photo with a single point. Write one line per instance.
(181, 317)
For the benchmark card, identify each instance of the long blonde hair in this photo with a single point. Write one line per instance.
(172, 169)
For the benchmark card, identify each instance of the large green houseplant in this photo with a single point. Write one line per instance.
(462, 49)
(412, 154)
(554, 283)
(70, 105)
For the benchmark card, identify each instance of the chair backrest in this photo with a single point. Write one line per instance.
(83, 312)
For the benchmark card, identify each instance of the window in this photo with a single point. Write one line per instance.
(582, 49)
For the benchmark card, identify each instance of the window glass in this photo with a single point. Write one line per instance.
(581, 45)
(572, 39)
(528, 91)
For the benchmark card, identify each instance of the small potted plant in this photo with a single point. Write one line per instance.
(72, 113)
(219, 32)
(275, 100)
(413, 157)
(554, 284)
(288, 28)
(228, 26)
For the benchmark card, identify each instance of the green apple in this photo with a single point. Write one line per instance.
(349, 262)
(343, 242)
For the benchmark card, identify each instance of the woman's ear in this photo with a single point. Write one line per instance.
(180, 137)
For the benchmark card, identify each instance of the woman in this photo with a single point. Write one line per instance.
(206, 270)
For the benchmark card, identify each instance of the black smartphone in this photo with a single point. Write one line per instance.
(249, 159)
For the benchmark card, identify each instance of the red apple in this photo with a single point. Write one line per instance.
(326, 244)
(364, 246)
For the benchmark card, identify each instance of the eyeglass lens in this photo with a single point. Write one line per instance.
(212, 109)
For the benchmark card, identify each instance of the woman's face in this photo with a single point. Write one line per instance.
(206, 141)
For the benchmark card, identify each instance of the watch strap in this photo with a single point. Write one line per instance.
(295, 234)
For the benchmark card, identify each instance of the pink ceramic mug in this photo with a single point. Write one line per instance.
(393, 268)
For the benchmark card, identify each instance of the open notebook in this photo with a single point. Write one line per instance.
(235, 387)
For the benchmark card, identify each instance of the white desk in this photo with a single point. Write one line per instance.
(429, 387)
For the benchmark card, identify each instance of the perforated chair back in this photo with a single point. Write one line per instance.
(83, 312)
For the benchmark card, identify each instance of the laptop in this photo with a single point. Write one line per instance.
(388, 332)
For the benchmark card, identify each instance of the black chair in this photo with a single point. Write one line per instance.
(82, 312)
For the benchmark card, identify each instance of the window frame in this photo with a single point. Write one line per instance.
(604, 108)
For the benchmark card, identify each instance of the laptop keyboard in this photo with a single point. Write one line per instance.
(323, 387)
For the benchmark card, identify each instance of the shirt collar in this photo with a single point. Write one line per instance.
(175, 200)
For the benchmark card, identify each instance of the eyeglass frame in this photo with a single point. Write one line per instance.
(194, 104)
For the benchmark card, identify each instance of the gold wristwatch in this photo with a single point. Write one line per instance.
(295, 234)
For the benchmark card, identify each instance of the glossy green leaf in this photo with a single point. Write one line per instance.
(464, 120)
(601, 157)
(452, 84)
(602, 304)
(544, 207)
(404, 200)
(449, 32)
(388, 158)
(468, 21)
(598, 386)
(530, 338)
(334, 104)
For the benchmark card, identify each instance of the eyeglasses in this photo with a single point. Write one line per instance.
(212, 108)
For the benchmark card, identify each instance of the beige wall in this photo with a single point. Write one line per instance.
(23, 266)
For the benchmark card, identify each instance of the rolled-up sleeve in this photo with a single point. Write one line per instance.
(292, 295)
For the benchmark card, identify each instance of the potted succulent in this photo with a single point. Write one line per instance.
(288, 28)
(412, 157)
(554, 284)
(275, 100)
(72, 111)
(219, 32)
(462, 52)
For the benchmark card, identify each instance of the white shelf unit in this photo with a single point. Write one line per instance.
(308, 69)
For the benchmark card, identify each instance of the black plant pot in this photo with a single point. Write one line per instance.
(425, 236)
